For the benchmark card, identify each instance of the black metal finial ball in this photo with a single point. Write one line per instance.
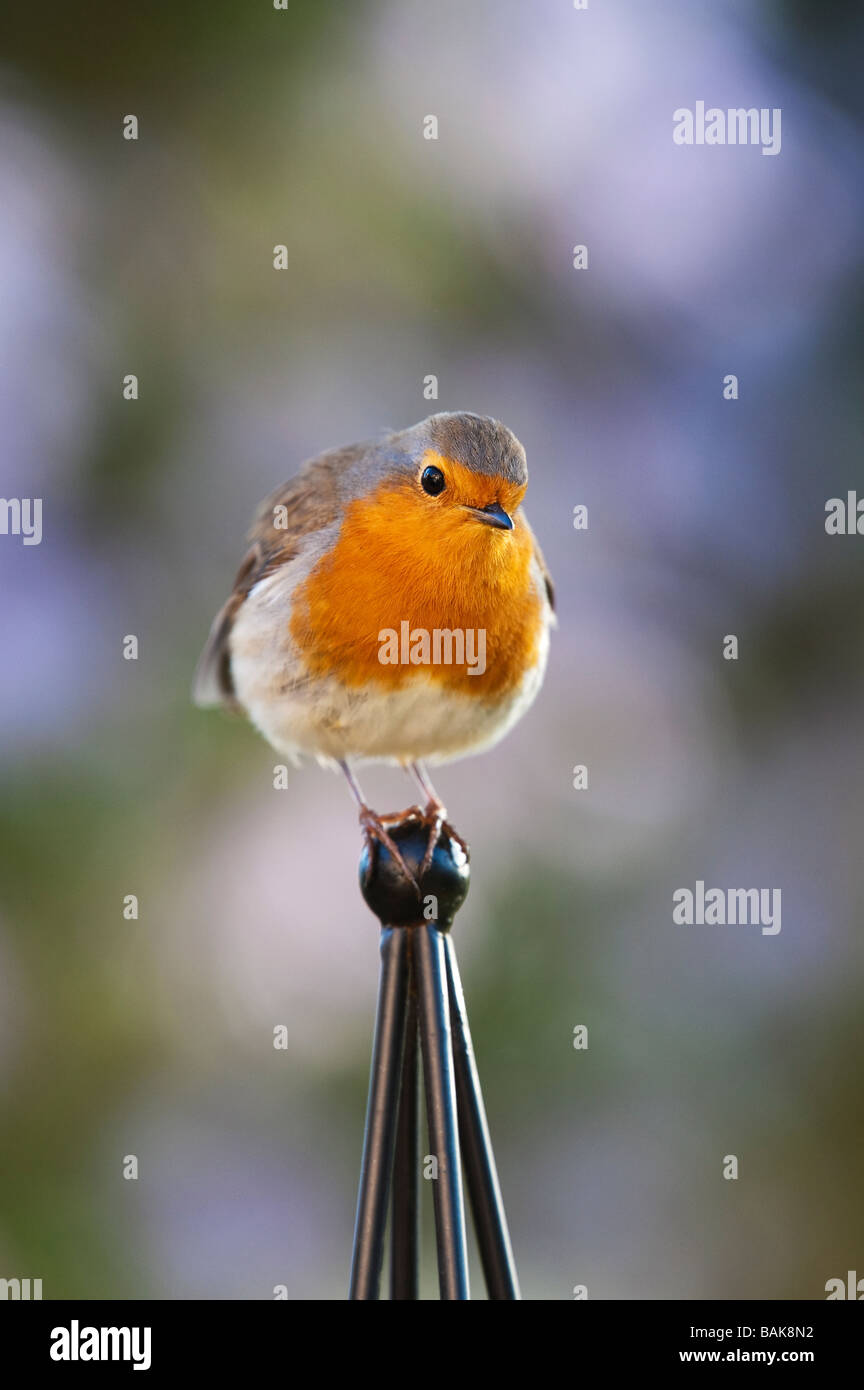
(439, 893)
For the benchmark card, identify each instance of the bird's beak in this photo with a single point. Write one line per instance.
(493, 515)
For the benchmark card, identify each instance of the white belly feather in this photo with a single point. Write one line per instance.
(327, 720)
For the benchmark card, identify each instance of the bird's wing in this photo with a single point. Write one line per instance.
(543, 567)
(306, 504)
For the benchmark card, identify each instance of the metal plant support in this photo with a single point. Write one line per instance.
(420, 1001)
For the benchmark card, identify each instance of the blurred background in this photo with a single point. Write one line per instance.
(409, 257)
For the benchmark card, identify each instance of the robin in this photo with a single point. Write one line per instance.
(393, 606)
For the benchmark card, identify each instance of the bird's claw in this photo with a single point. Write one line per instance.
(375, 832)
(433, 815)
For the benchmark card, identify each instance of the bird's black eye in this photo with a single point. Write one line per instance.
(432, 480)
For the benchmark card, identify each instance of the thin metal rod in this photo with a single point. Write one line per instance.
(380, 1137)
(436, 1047)
(490, 1222)
(405, 1209)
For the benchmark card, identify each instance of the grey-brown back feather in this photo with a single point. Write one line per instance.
(311, 501)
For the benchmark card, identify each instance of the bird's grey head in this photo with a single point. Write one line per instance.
(476, 441)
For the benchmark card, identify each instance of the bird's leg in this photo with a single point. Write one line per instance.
(435, 815)
(373, 825)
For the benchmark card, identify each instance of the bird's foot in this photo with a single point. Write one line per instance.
(413, 816)
(435, 816)
(374, 829)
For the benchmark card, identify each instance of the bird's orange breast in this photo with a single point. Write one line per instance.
(402, 557)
